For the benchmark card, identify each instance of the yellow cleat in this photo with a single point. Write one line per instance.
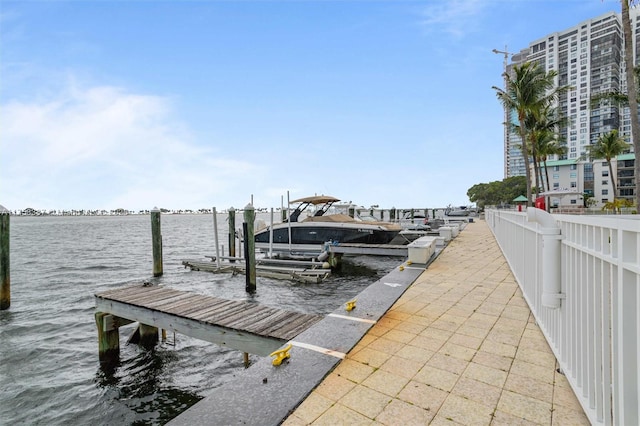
(350, 305)
(281, 354)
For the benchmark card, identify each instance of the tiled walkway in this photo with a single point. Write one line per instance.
(459, 347)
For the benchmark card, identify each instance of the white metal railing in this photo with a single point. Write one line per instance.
(593, 323)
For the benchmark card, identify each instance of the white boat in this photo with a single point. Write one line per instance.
(457, 211)
(312, 232)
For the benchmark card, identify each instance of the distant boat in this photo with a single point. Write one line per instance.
(457, 211)
(313, 231)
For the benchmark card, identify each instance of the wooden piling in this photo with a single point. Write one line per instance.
(232, 233)
(392, 214)
(250, 248)
(5, 276)
(108, 340)
(156, 237)
(148, 335)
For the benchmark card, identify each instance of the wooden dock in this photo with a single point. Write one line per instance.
(245, 326)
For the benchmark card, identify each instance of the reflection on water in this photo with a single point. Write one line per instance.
(49, 368)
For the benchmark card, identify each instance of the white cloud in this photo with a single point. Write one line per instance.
(454, 17)
(104, 147)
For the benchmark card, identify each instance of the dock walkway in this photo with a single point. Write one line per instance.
(246, 326)
(460, 346)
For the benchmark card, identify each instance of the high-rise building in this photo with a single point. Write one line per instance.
(588, 57)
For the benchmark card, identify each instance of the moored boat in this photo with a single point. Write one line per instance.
(312, 232)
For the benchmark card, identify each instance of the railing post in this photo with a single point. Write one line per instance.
(551, 244)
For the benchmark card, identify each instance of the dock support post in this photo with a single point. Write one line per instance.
(246, 359)
(5, 276)
(148, 335)
(156, 237)
(249, 248)
(232, 233)
(392, 214)
(108, 341)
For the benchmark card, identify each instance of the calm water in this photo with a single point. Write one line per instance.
(49, 369)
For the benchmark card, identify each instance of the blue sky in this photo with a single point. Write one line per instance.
(194, 104)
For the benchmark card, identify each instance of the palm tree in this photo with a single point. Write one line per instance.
(609, 146)
(549, 145)
(545, 138)
(527, 89)
(632, 90)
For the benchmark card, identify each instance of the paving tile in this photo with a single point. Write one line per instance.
(498, 348)
(410, 327)
(504, 337)
(312, 408)
(565, 416)
(447, 363)
(353, 370)
(379, 330)
(469, 330)
(465, 340)
(423, 396)
(334, 387)
(442, 421)
(370, 357)
(525, 407)
(437, 378)
(541, 358)
(400, 336)
(341, 415)
(429, 343)
(388, 322)
(365, 401)
(420, 320)
(523, 368)
(465, 411)
(484, 374)
(477, 391)
(415, 353)
(565, 397)
(385, 345)
(402, 366)
(401, 413)
(395, 314)
(492, 360)
(530, 387)
(500, 418)
(520, 312)
(386, 382)
(457, 351)
(294, 420)
(436, 333)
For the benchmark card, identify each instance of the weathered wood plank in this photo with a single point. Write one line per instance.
(236, 339)
(242, 325)
(204, 313)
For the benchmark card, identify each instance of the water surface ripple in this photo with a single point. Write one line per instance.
(49, 369)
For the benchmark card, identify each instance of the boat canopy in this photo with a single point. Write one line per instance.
(316, 199)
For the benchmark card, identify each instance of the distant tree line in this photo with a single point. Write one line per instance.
(498, 192)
